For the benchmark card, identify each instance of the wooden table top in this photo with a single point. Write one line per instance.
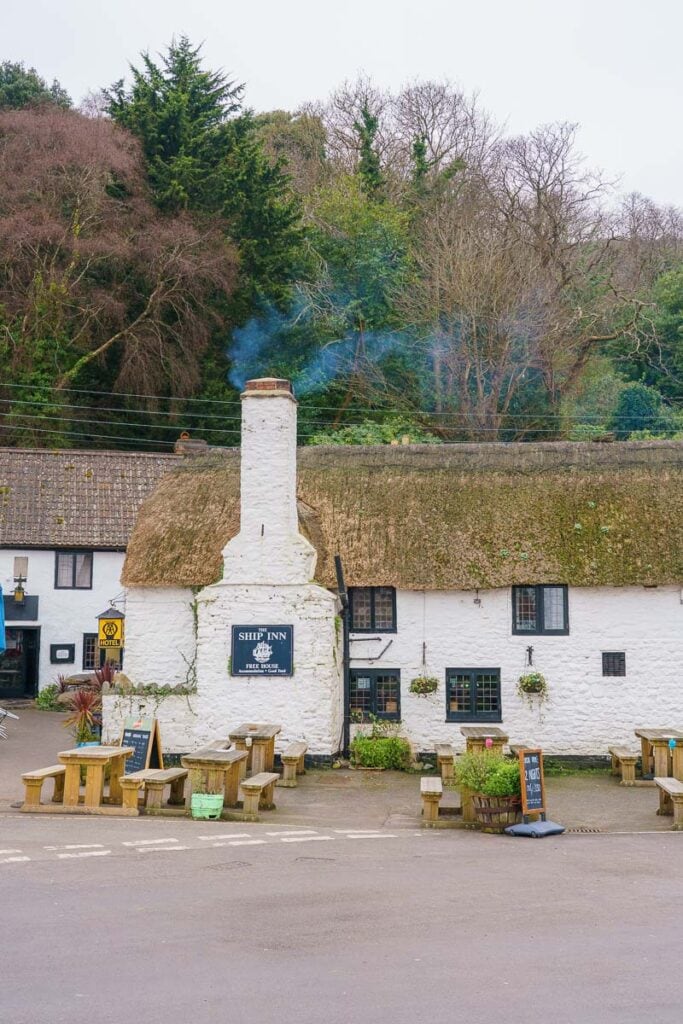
(213, 758)
(659, 734)
(482, 732)
(255, 731)
(94, 753)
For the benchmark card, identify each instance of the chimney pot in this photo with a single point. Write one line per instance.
(280, 384)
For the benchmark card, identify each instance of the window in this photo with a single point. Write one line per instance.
(375, 692)
(540, 610)
(90, 658)
(473, 694)
(372, 609)
(73, 570)
(614, 663)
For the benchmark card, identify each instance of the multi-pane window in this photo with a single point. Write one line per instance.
(375, 692)
(90, 652)
(73, 570)
(373, 608)
(473, 694)
(540, 609)
(614, 663)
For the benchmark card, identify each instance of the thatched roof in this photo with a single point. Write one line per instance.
(74, 499)
(440, 517)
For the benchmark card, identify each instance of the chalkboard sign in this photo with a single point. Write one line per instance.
(533, 786)
(262, 651)
(143, 735)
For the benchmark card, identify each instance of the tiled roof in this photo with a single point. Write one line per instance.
(86, 499)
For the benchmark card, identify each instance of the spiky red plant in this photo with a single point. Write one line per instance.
(85, 705)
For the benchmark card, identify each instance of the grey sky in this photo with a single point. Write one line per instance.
(612, 65)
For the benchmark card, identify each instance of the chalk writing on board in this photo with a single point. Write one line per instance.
(141, 734)
(533, 789)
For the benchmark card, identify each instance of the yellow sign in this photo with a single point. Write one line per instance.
(111, 633)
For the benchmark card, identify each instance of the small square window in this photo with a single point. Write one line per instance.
(373, 609)
(614, 663)
(73, 570)
(90, 652)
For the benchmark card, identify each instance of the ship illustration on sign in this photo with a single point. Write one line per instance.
(262, 652)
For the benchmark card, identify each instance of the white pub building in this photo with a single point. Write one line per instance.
(468, 564)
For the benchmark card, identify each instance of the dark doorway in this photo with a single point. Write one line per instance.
(19, 662)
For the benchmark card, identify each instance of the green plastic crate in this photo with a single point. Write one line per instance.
(207, 805)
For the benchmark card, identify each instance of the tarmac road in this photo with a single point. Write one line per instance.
(181, 922)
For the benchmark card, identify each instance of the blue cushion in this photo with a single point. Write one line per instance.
(536, 829)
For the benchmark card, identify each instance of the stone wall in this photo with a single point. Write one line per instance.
(585, 712)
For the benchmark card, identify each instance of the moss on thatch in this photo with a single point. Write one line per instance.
(440, 517)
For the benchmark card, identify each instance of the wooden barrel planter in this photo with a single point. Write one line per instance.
(495, 813)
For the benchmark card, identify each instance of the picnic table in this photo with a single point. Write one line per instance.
(217, 769)
(94, 760)
(657, 758)
(477, 735)
(261, 749)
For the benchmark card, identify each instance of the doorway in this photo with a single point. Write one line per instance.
(19, 662)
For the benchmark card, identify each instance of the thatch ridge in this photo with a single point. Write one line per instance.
(440, 517)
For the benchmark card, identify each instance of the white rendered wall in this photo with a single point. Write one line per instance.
(63, 615)
(308, 704)
(160, 636)
(586, 712)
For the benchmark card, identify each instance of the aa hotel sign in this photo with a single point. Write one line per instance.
(262, 650)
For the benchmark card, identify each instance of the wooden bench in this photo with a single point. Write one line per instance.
(671, 800)
(431, 791)
(445, 758)
(516, 748)
(624, 764)
(258, 794)
(33, 781)
(293, 763)
(153, 781)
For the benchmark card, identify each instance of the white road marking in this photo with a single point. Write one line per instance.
(366, 835)
(161, 849)
(149, 842)
(13, 860)
(10, 851)
(246, 842)
(295, 832)
(84, 853)
(357, 831)
(227, 835)
(76, 846)
(305, 839)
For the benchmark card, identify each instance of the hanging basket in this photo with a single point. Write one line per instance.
(495, 813)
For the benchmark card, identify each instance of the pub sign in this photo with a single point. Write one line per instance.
(262, 651)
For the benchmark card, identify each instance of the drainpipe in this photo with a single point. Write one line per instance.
(344, 598)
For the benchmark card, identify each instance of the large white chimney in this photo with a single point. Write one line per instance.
(268, 548)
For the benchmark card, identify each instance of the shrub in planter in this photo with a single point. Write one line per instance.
(380, 752)
(423, 685)
(47, 699)
(494, 782)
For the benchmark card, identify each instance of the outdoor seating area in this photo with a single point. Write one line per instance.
(91, 779)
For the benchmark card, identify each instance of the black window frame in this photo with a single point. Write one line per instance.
(540, 629)
(472, 715)
(73, 552)
(96, 659)
(621, 664)
(372, 628)
(373, 673)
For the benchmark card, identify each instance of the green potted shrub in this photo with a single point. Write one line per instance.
(494, 784)
(380, 748)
